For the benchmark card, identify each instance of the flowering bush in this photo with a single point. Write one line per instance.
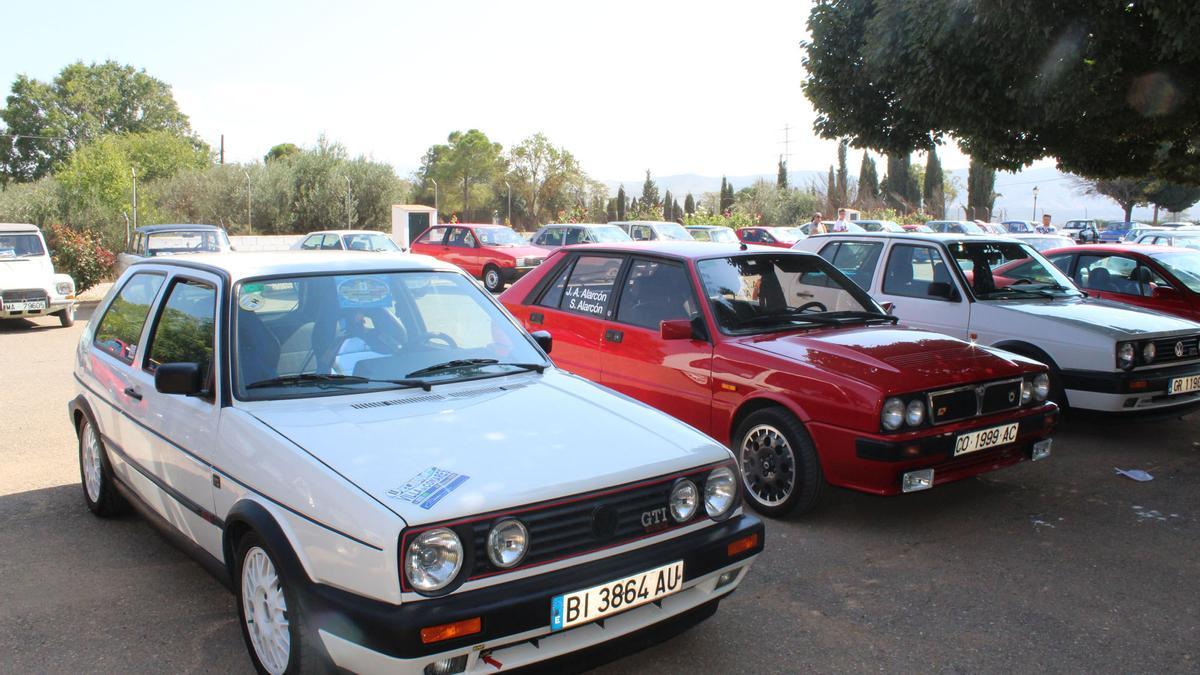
(735, 220)
(80, 254)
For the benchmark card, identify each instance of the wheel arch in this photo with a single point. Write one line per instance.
(248, 515)
(1027, 349)
(78, 408)
(753, 404)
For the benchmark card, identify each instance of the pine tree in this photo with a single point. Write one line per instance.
(621, 203)
(935, 195)
(900, 185)
(843, 175)
(981, 191)
(726, 196)
(689, 204)
(668, 206)
(781, 179)
(650, 198)
(676, 212)
(611, 212)
(831, 194)
(868, 183)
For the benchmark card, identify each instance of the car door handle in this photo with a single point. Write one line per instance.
(614, 336)
(537, 318)
(133, 393)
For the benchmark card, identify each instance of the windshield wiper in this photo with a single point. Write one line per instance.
(332, 379)
(468, 363)
(821, 318)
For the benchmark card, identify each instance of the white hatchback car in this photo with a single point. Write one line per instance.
(28, 284)
(1000, 292)
(390, 471)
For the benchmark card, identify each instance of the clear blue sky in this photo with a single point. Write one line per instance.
(676, 87)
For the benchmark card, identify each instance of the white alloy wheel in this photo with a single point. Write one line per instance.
(491, 279)
(266, 612)
(90, 458)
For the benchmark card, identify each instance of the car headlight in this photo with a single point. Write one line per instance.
(433, 559)
(507, 543)
(914, 414)
(1026, 391)
(1126, 353)
(68, 288)
(1041, 386)
(1148, 352)
(684, 500)
(720, 492)
(893, 414)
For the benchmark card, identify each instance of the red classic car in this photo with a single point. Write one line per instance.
(782, 357)
(493, 253)
(1164, 278)
(779, 237)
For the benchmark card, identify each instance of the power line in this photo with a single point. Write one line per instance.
(1034, 182)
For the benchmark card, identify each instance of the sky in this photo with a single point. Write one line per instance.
(675, 87)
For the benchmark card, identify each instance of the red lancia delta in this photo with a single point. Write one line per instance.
(784, 358)
(494, 253)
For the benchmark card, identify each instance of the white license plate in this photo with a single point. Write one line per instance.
(1183, 385)
(597, 602)
(25, 306)
(985, 438)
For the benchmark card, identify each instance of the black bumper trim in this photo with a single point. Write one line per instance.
(940, 444)
(515, 607)
(1157, 380)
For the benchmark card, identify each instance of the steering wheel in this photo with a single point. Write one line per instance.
(435, 336)
(811, 305)
(1022, 280)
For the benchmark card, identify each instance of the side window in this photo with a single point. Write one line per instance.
(590, 286)
(573, 236)
(458, 237)
(857, 260)
(751, 235)
(332, 242)
(120, 328)
(552, 297)
(1111, 274)
(765, 237)
(432, 236)
(656, 291)
(641, 233)
(700, 235)
(1062, 261)
(912, 269)
(184, 332)
(312, 243)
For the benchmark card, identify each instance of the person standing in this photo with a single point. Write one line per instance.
(816, 226)
(1047, 226)
(842, 224)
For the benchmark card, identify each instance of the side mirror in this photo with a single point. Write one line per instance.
(179, 378)
(889, 307)
(544, 340)
(1164, 292)
(675, 329)
(941, 289)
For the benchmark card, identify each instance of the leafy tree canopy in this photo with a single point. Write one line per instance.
(282, 151)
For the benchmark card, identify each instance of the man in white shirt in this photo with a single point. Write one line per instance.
(841, 224)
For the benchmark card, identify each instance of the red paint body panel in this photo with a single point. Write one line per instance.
(1184, 302)
(473, 259)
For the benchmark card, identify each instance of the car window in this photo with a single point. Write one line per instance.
(589, 287)
(641, 233)
(312, 243)
(574, 235)
(912, 269)
(461, 237)
(434, 235)
(331, 242)
(700, 235)
(120, 328)
(550, 237)
(1062, 261)
(1117, 274)
(21, 245)
(750, 235)
(656, 291)
(1003, 270)
(184, 332)
(857, 260)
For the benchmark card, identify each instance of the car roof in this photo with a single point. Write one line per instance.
(243, 265)
(177, 227)
(345, 232)
(1143, 249)
(550, 225)
(931, 237)
(18, 227)
(681, 249)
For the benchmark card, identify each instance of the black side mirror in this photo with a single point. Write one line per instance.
(941, 289)
(544, 340)
(179, 378)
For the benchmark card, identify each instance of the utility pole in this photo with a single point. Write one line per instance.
(222, 148)
(347, 201)
(787, 143)
(133, 172)
(508, 220)
(435, 201)
(249, 219)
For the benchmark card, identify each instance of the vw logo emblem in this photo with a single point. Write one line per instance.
(604, 522)
(1179, 349)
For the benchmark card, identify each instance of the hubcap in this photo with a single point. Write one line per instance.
(492, 279)
(266, 611)
(90, 455)
(768, 465)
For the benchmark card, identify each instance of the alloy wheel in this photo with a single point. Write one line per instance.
(266, 611)
(90, 456)
(768, 465)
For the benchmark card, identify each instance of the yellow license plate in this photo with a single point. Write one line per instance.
(985, 438)
(597, 602)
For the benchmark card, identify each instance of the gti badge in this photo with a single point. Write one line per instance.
(655, 519)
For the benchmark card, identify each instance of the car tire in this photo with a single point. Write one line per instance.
(492, 279)
(66, 317)
(780, 470)
(95, 473)
(274, 627)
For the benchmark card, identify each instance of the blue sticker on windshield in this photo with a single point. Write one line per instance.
(428, 487)
(362, 291)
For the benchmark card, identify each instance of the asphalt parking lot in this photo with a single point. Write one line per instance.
(1060, 565)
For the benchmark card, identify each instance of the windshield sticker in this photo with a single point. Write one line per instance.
(428, 488)
(250, 302)
(359, 291)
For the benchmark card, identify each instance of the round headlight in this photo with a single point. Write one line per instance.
(914, 414)
(433, 559)
(893, 414)
(67, 288)
(1125, 355)
(1149, 352)
(507, 543)
(720, 491)
(684, 500)
(1041, 386)
(1026, 391)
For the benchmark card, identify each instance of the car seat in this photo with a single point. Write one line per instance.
(1100, 279)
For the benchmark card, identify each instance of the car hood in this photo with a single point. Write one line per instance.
(25, 273)
(518, 251)
(1092, 315)
(892, 358)
(472, 447)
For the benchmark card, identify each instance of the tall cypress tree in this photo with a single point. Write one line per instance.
(668, 206)
(621, 203)
(868, 183)
(676, 212)
(899, 183)
(650, 198)
(689, 204)
(726, 196)
(935, 194)
(781, 178)
(611, 212)
(843, 175)
(981, 191)
(831, 194)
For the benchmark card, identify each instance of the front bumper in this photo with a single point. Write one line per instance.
(876, 463)
(1131, 392)
(511, 274)
(365, 635)
(55, 303)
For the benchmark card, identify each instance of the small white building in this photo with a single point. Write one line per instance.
(409, 221)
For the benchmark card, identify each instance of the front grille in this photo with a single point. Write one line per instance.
(960, 403)
(24, 295)
(1001, 396)
(1176, 349)
(575, 525)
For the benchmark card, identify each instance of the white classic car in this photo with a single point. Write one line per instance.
(999, 292)
(28, 284)
(390, 472)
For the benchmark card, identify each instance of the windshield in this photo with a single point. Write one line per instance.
(956, 227)
(1046, 243)
(322, 335)
(369, 242)
(1184, 265)
(763, 292)
(997, 270)
(609, 235)
(21, 245)
(672, 232)
(499, 236)
(722, 234)
(787, 235)
(197, 241)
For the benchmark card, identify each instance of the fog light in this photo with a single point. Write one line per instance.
(727, 578)
(1041, 450)
(450, 666)
(917, 480)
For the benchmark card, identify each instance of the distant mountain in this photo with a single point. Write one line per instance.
(1057, 194)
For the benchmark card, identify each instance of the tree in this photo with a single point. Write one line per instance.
(621, 203)
(51, 120)
(668, 206)
(677, 213)
(1173, 197)
(831, 193)
(281, 151)
(781, 178)
(467, 159)
(843, 176)
(868, 183)
(726, 203)
(981, 190)
(935, 192)
(610, 212)
(650, 198)
(899, 188)
(689, 204)
(1126, 192)
(540, 170)
(893, 72)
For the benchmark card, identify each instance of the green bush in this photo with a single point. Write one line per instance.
(80, 254)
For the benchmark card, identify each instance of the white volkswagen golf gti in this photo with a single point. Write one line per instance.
(389, 472)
